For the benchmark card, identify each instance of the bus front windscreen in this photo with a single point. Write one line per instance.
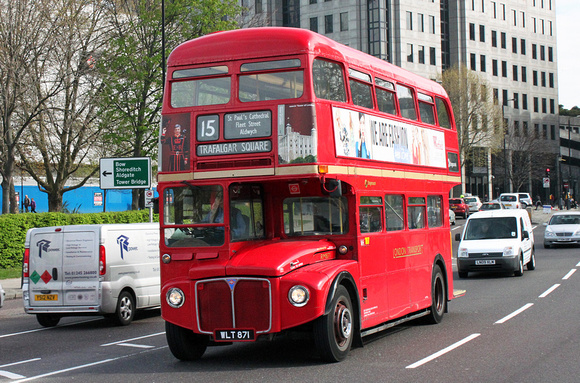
(198, 207)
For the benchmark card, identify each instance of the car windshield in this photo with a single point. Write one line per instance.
(491, 228)
(455, 201)
(468, 200)
(491, 206)
(508, 198)
(565, 220)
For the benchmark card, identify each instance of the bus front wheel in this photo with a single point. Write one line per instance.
(184, 343)
(438, 296)
(333, 332)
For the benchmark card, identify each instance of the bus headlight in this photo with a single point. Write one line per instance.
(175, 297)
(298, 295)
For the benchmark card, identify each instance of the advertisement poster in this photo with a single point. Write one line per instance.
(175, 142)
(365, 136)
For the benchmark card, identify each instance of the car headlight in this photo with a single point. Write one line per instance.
(577, 233)
(175, 297)
(463, 253)
(549, 233)
(298, 295)
(507, 251)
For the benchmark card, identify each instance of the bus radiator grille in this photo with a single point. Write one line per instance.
(234, 303)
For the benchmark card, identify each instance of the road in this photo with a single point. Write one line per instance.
(505, 329)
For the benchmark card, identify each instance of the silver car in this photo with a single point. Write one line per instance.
(562, 229)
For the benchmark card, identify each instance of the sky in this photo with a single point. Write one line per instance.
(568, 37)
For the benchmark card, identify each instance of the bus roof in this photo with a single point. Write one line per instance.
(264, 42)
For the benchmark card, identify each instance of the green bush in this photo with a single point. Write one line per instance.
(15, 226)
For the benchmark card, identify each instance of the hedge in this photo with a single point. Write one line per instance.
(13, 228)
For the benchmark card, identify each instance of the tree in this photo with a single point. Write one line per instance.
(23, 48)
(477, 116)
(529, 158)
(64, 134)
(132, 65)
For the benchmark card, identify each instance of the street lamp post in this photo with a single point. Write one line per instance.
(507, 185)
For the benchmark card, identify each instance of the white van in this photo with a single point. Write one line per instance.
(496, 240)
(91, 269)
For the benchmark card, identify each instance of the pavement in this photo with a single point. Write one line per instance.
(14, 291)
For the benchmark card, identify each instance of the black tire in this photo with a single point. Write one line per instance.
(125, 308)
(48, 320)
(334, 332)
(531, 265)
(462, 274)
(524, 205)
(520, 270)
(438, 297)
(185, 344)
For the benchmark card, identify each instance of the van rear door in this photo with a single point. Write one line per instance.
(64, 267)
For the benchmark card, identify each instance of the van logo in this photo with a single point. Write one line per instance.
(231, 283)
(123, 242)
(43, 245)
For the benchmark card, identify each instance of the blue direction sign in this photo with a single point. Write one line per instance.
(125, 173)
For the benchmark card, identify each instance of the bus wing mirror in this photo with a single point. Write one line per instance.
(332, 187)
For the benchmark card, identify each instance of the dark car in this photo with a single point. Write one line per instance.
(491, 206)
(459, 207)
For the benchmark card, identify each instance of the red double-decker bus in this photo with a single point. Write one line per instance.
(302, 184)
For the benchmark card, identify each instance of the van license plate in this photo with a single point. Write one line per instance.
(485, 262)
(234, 335)
(46, 297)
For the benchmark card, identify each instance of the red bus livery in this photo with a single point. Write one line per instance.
(303, 184)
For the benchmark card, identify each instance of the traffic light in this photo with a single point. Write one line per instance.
(547, 172)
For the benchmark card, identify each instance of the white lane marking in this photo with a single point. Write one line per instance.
(506, 318)
(578, 264)
(11, 375)
(21, 362)
(569, 274)
(129, 340)
(47, 328)
(134, 345)
(545, 293)
(444, 351)
(457, 227)
(70, 369)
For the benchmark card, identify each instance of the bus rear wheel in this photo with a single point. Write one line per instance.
(438, 296)
(184, 343)
(333, 332)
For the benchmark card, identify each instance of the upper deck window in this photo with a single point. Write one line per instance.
(442, 114)
(406, 102)
(426, 109)
(362, 93)
(201, 72)
(206, 91)
(270, 65)
(385, 96)
(328, 80)
(271, 86)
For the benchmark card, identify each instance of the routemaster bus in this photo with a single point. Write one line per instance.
(303, 185)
